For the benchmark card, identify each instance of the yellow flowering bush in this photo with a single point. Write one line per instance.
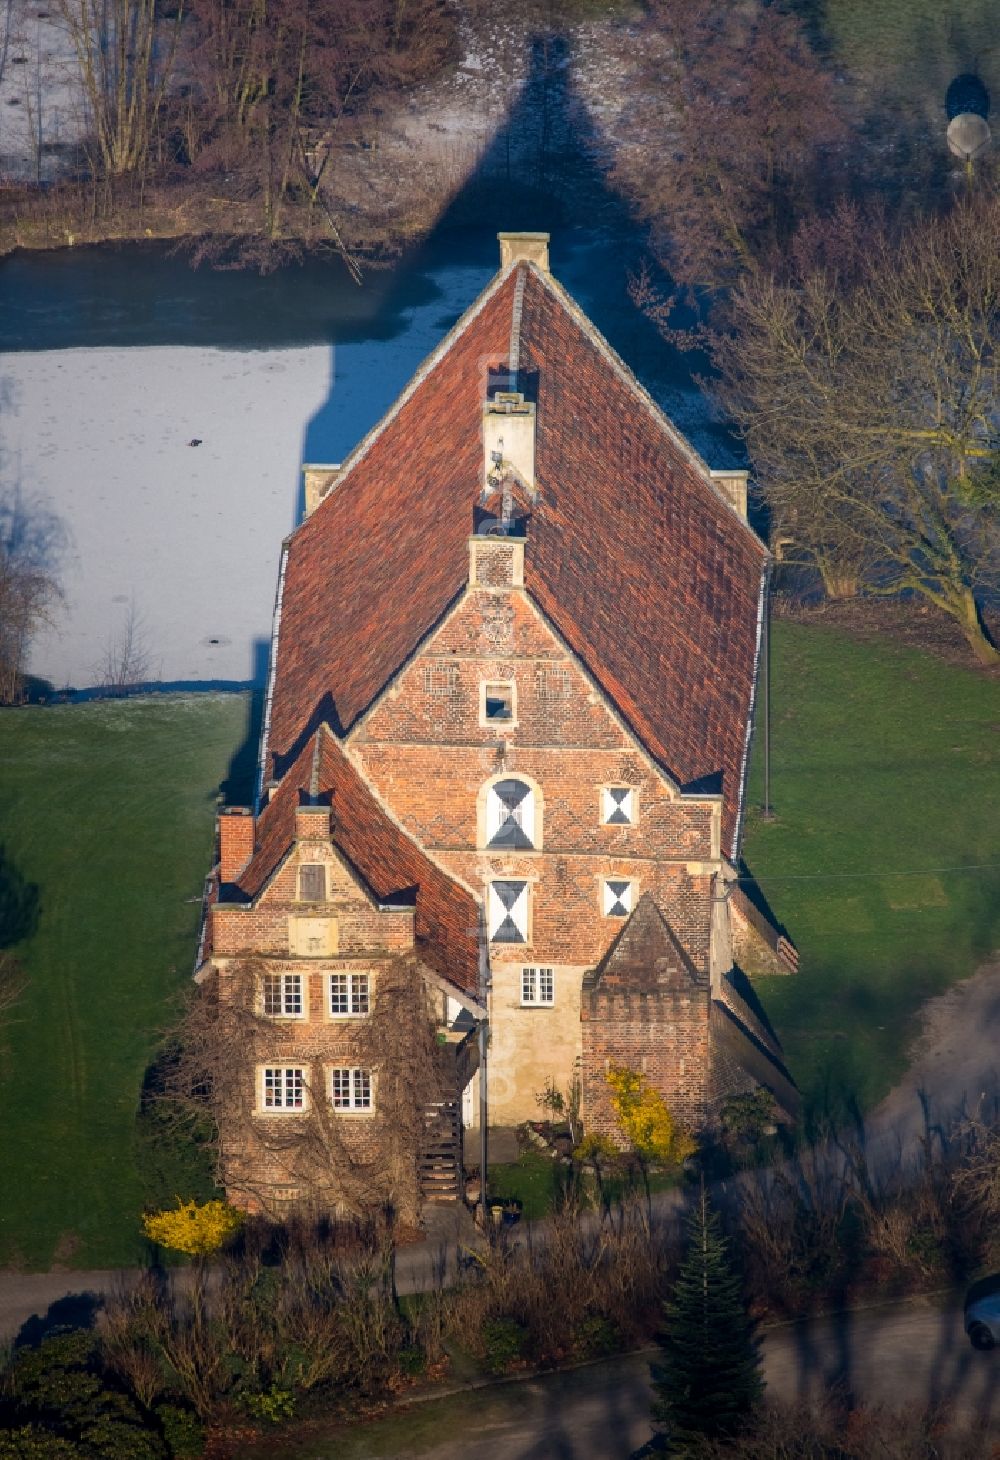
(196, 1230)
(646, 1123)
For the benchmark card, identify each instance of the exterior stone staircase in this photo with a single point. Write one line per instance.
(439, 1164)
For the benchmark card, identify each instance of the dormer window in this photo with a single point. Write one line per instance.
(312, 882)
(617, 806)
(510, 815)
(498, 703)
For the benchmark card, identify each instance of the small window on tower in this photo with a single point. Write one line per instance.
(312, 882)
(498, 704)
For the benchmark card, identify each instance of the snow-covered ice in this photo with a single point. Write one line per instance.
(96, 443)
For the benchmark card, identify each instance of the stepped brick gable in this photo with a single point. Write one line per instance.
(506, 732)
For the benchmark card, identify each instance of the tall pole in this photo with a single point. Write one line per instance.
(483, 1117)
(767, 810)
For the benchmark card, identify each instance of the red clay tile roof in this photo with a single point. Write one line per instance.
(632, 554)
(447, 917)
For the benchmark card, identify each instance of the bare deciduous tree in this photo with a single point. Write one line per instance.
(126, 662)
(125, 53)
(870, 405)
(738, 147)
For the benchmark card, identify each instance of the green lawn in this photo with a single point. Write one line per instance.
(108, 808)
(909, 50)
(885, 761)
(885, 780)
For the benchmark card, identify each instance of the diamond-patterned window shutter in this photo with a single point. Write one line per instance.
(618, 805)
(510, 815)
(508, 912)
(617, 897)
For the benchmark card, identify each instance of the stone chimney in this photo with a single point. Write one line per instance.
(312, 823)
(496, 562)
(236, 835)
(532, 248)
(508, 440)
(319, 482)
(733, 486)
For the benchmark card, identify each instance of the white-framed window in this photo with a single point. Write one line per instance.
(616, 896)
(511, 815)
(281, 995)
(351, 1089)
(617, 806)
(283, 1087)
(538, 986)
(498, 703)
(350, 994)
(312, 882)
(508, 911)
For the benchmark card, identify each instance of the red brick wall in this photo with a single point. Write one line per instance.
(662, 1034)
(427, 755)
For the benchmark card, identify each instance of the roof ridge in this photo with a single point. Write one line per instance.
(514, 348)
(663, 421)
(360, 451)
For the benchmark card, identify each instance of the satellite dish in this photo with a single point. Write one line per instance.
(968, 135)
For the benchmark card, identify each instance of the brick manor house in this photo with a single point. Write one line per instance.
(504, 757)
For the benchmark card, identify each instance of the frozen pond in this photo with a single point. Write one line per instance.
(115, 360)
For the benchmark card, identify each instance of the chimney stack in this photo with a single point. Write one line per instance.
(312, 823)
(530, 248)
(236, 836)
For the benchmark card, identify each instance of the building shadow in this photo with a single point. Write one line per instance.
(544, 169)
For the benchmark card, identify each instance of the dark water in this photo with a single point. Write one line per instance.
(541, 171)
(143, 295)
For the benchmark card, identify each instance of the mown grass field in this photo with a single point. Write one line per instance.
(108, 809)
(884, 859)
(885, 762)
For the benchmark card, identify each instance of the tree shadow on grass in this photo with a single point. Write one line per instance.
(20, 905)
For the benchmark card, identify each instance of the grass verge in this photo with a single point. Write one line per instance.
(108, 812)
(884, 859)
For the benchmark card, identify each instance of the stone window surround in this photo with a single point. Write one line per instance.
(603, 894)
(351, 1071)
(311, 866)
(618, 786)
(283, 1071)
(537, 985)
(486, 723)
(303, 995)
(279, 1110)
(351, 1012)
(505, 943)
(538, 818)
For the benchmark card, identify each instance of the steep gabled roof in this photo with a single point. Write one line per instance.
(632, 553)
(388, 861)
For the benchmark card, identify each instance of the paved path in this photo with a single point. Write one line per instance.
(903, 1354)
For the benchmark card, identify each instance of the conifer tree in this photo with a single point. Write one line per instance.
(708, 1381)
